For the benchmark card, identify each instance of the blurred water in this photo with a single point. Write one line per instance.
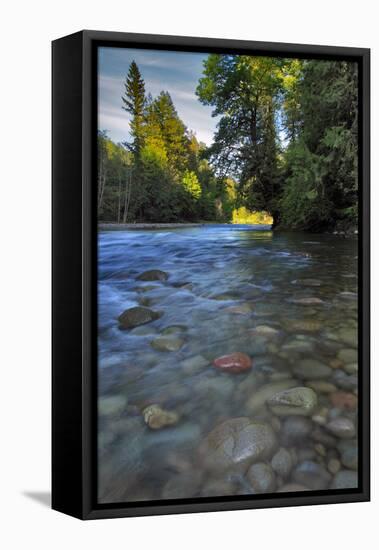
(248, 266)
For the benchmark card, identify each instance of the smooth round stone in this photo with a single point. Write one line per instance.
(305, 325)
(349, 454)
(311, 369)
(143, 330)
(234, 362)
(136, 316)
(312, 475)
(345, 479)
(260, 396)
(347, 355)
(281, 462)
(153, 275)
(345, 381)
(351, 368)
(321, 386)
(184, 485)
(295, 429)
(166, 343)
(295, 401)
(193, 364)
(308, 301)
(242, 309)
(261, 478)
(344, 400)
(112, 405)
(334, 466)
(265, 330)
(321, 436)
(341, 427)
(157, 418)
(348, 336)
(297, 346)
(292, 488)
(237, 443)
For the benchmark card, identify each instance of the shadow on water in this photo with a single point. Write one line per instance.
(41, 497)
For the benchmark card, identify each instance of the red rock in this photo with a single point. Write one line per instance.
(344, 400)
(235, 362)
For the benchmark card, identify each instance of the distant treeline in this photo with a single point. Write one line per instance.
(286, 144)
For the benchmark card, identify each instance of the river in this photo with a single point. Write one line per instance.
(288, 301)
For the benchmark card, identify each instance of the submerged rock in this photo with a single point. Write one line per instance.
(341, 427)
(156, 417)
(112, 405)
(345, 479)
(349, 454)
(282, 463)
(295, 429)
(166, 343)
(135, 316)
(260, 396)
(296, 401)
(236, 444)
(344, 400)
(265, 330)
(311, 369)
(153, 275)
(312, 475)
(234, 362)
(261, 478)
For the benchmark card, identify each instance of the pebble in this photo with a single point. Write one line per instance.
(260, 396)
(321, 386)
(345, 479)
(165, 343)
(349, 454)
(344, 400)
(334, 466)
(194, 364)
(347, 355)
(311, 369)
(302, 325)
(282, 463)
(112, 405)
(243, 309)
(235, 362)
(157, 418)
(136, 316)
(312, 475)
(261, 478)
(153, 275)
(173, 329)
(296, 429)
(236, 444)
(296, 401)
(310, 301)
(341, 427)
(348, 336)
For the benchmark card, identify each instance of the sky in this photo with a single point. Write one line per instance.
(175, 72)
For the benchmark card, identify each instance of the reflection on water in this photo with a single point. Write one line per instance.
(167, 425)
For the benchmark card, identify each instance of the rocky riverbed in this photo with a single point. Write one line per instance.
(227, 363)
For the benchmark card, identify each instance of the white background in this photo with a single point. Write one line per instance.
(26, 31)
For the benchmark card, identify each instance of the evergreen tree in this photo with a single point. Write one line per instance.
(134, 102)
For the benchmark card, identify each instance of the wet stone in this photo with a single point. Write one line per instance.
(157, 418)
(296, 401)
(234, 363)
(311, 369)
(345, 479)
(281, 462)
(112, 405)
(312, 475)
(341, 427)
(153, 275)
(164, 343)
(296, 429)
(136, 316)
(261, 478)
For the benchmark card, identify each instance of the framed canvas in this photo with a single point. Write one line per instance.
(210, 275)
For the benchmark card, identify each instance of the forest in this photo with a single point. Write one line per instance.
(285, 149)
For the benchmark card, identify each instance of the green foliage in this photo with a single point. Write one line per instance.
(191, 184)
(286, 146)
(245, 216)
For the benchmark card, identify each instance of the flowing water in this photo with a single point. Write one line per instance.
(286, 300)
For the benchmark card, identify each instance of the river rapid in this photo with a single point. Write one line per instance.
(172, 423)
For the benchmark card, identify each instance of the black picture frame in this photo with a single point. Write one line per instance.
(74, 321)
